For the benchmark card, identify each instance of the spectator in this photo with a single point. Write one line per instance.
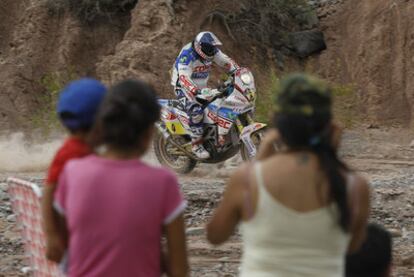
(374, 258)
(302, 208)
(115, 207)
(77, 106)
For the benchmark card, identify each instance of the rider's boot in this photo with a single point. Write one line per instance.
(196, 125)
(199, 150)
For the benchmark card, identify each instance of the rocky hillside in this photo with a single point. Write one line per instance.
(369, 47)
(36, 42)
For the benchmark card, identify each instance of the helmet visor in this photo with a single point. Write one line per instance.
(208, 49)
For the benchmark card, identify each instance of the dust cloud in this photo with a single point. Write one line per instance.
(18, 154)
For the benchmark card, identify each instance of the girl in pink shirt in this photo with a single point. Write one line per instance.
(115, 208)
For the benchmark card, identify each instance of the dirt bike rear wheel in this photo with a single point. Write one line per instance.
(257, 139)
(179, 163)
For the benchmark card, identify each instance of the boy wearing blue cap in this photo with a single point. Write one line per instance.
(77, 106)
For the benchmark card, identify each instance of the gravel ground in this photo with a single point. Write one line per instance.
(384, 158)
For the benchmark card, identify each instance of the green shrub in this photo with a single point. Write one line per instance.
(91, 10)
(265, 99)
(46, 117)
(345, 108)
(291, 7)
(268, 23)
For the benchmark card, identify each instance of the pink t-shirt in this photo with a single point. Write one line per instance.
(115, 210)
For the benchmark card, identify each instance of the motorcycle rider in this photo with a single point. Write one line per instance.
(190, 76)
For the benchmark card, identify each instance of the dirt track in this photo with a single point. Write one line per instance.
(385, 158)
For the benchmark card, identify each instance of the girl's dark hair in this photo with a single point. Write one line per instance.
(303, 118)
(128, 110)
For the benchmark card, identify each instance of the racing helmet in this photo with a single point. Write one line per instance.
(205, 44)
(79, 102)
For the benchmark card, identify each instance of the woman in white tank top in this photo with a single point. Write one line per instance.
(301, 209)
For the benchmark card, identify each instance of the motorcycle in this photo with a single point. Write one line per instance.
(229, 126)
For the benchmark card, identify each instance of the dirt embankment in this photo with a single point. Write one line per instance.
(142, 43)
(34, 43)
(158, 30)
(371, 47)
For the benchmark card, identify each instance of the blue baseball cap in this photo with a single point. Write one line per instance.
(79, 102)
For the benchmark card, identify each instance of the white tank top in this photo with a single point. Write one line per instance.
(279, 241)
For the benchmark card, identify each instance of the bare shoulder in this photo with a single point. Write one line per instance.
(359, 198)
(358, 186)
(240, 176)
(359, 201)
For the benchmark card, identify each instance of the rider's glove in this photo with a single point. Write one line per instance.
(204, 95)
(205, 92)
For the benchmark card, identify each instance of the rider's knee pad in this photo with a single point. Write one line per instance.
(179, 93)
(196, 131)
(195, 113)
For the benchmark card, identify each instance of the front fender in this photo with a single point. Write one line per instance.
(246, 134)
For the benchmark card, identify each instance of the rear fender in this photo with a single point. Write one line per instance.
(171, 128)
(171, 124)
(246, 134)
(175, 127)
(163, 130)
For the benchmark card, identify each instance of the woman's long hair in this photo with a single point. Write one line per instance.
(303, 117)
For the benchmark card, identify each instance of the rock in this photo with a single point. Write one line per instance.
(306, 43)
(409, 236)
(280, 62)
(308, 19)
(391, 192)
(195, 231)
(4, 186)
(395, 233)
(12, 236)
(408, 260)
(192, 195)
(11, 218)
(372, 126)
(182, 8)
(26, 269)
(217, 267)
(412, 144)
(146, 23)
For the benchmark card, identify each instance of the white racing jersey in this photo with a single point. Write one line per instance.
(191, 72)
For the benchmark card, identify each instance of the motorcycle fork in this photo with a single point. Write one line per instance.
(249, 119)
(239, 125)
(247, 141)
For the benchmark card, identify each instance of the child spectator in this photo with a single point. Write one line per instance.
(374, 258)
(115, 207)
(77, 105)
(301, 208)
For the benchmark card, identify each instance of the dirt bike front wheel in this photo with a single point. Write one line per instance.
(256, 139)
(169, 156)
